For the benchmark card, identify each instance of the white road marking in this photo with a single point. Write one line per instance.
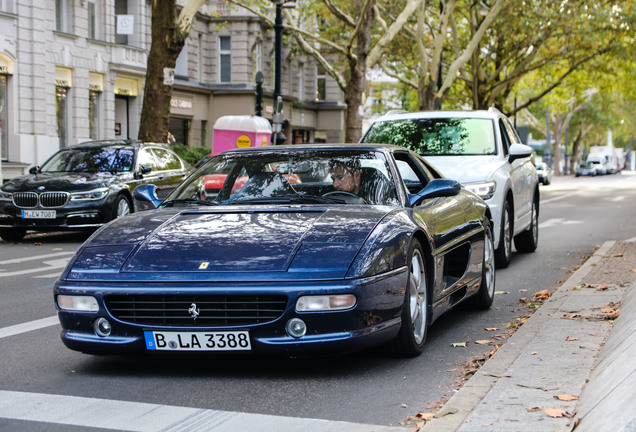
(146, 417)
(557, 222)
(615, 199)
(27, 327)
(37, 257)
(557, 198)
(50, 275)
(50, 265)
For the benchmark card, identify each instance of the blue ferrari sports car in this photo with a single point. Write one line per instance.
(290, 250)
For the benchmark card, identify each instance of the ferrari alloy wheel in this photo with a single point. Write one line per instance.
(410, 340)
(503, 254)
(122, 207)
(528, 240)
(485, 295)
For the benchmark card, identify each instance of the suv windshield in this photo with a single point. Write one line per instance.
(290, 177)
(436, 136)
(90, 160)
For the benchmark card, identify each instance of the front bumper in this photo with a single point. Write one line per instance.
(374, 319)
(84, 215)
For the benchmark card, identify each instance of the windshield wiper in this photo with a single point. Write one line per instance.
(189, 201)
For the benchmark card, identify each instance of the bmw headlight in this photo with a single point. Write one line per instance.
(91, 195)
(485, 190)
(5, 196)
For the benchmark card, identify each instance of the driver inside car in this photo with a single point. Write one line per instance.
(346, 175)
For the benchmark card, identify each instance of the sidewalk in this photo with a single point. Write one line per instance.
(571, 365)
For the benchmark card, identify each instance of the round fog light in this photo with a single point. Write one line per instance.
(296, 328)
(102, 327)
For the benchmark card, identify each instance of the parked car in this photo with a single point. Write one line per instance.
(544, 173)
(86, 185)
(586, 169)
(481, 150)
(279, 268)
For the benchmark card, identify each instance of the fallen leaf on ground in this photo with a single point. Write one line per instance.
(633, 270)
(451, 370)
(578, 287)
(523, 290)
(488, 424)
(543, 294)
(570, 338)
(426, 416)
(555, 412)
(491, 329)
(602, 287)
(566, 397)
(37, 244)
(483, 342)
(501, 292)
(459, 344)
(534, 408)
(534, 353)
(404, 405)
(446, 412)
(618, 255)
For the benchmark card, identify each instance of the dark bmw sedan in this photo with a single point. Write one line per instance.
(85, 186)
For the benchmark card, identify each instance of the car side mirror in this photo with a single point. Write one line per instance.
(143, 169)
(434, 189)
(34, 170)
(147, 193)
(519, 151)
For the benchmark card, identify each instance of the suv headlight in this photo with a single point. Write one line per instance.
(485, 190)
(92, 195)
(5, 196)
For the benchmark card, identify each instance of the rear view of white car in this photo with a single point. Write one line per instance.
(481, 150)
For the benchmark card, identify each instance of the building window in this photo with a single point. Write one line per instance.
(7, 6)
(321, 84)
(94, 20)
(94, 109)
(121, 8)
(181, 66)
(61, 104)
(62, 16)
(225, 59)
(4, 117)
(257, 58)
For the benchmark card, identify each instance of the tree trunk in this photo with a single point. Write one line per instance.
(166, 45)
(358, 81)
(556, 151)
(576, 145)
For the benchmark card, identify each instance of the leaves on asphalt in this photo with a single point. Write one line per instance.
(534, 408)
(491, 329)
(459, 344)
(571, 338)
(557, 413)
(566, 397)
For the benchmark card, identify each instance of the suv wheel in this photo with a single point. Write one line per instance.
(528, 240)
(503, 254)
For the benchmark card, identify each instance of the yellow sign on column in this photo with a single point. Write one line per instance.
(243, 141)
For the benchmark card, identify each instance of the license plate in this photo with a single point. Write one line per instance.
(198, 341)
(38, 214)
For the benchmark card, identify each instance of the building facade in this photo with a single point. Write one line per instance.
(73, 70)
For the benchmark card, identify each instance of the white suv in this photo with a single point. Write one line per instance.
(481, 150)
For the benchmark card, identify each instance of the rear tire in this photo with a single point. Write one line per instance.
(410, 340)
(12, 234)
(503, 254)
(528, 240)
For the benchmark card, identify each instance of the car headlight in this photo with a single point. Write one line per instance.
(5, 196)
(485, 190)
(77, 303)
(325, 302)
(91, 195)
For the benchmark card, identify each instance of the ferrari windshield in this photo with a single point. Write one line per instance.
(290, 177)
(91, 160)
(436, 136)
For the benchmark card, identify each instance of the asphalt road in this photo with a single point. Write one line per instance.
(576, 215)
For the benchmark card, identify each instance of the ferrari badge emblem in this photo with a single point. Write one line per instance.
(194, 311)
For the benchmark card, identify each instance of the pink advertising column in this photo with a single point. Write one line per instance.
(232, 132)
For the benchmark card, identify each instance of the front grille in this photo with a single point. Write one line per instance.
(46, 199)
(214, 310)
(25, 199)
(54, 199)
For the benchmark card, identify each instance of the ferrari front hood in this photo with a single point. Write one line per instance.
(225, 243)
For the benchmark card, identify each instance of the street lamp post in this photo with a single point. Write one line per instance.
(278, 137)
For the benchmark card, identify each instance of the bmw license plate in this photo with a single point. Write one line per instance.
(198, 341)
(38, 214)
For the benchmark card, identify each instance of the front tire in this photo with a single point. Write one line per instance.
(12, 234)
(410, 340)
(528, 240)
(503, 254)
(122, 207)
